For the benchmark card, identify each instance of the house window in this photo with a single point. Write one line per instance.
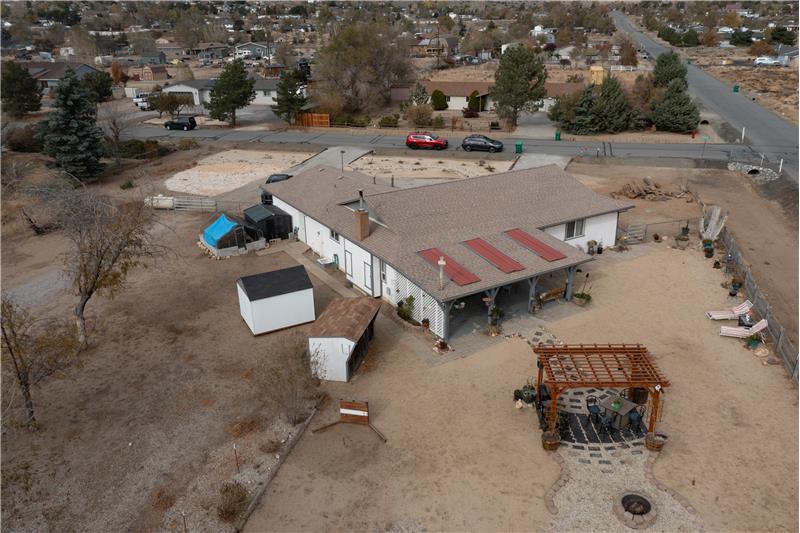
(266, 93)
(383, 272)
(574, 229)
(368, 276)
(446, 98)
(334, 236)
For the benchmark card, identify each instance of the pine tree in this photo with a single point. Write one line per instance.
(70, 133)
(611, 109)
(519, 83)
(291, 97)
(438, 100)
(233, 90)
(668, 67)
(99, 85)
(676, 111)
(20, 93)
(585, 120)
(473, 102)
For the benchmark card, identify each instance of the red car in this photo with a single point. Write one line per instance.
(425, 140)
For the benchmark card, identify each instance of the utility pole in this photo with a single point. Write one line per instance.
(438, 45)
(743, 128)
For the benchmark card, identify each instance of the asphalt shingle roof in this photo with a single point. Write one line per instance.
(346, 317)
(443, 216)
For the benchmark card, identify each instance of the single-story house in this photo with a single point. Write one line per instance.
(443, 243)
(154, 58)
(273, 70)
(558, 89)
(49, 74)
(457, 92)
(209, 50)
(258, 50)
(171, 50)
(200, 90)
(436, 46)
(276, 300)
(339, 338)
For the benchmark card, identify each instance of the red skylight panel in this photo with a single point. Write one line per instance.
(536, 246)
(460, 275)
(493, 255)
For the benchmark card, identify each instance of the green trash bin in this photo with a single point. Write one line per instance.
(558, 135)
(736, 88)
(518, 147)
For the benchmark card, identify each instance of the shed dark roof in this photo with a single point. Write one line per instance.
(275, 283)
(346, 317)
(262, 212)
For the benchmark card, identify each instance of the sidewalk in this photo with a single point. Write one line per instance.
(295, 251)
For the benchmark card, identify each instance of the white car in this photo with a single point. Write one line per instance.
(766, 61)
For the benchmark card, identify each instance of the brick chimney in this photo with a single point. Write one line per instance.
(362, 218)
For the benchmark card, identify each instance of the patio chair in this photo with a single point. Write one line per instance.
(605, 423)
(730, 314)
(741, 333)
(636, 417)
(593, 408)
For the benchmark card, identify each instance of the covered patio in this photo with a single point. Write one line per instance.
(625, 368)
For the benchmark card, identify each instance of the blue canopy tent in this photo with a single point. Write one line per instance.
(230, 232)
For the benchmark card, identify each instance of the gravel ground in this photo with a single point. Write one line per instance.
(585, 501)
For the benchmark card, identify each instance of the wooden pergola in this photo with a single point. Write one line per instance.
(572, 366)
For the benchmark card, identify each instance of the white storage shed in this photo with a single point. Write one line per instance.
(276, 300)
(339, 339)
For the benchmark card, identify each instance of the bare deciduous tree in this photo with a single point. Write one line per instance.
(287, 380)
(34, 350)
(115, 121)
(107, 242)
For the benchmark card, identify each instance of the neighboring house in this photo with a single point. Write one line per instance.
(556, 89)
(547, 33)
(511, 229)
(258, 50)
(171, 50)
(457, 92)
(437, 46)
(200, 90)
(154, 58)
(273, 70)
(153, 73)
(49, 74)
(210, 50)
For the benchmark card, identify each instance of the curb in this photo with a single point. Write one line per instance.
(254, 502)
(562, 480)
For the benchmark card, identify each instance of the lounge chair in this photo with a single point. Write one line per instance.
(730, 314)
(741, 333)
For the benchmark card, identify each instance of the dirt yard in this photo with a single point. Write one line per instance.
(775, 88)
(228, 170)
(764, 222)
(427, 167)
(475, 462)
(145, 429)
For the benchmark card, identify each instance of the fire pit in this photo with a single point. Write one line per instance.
(635, 510)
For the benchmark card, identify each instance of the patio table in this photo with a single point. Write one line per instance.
(621, 415)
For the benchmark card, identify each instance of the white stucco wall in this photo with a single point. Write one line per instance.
(602, 229)
(319, 239)
(360, 274)
(330, 356)
(278, 312)
(298, 218)
(265, 97)
(184, 89)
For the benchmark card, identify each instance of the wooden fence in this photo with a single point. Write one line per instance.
(314, 120)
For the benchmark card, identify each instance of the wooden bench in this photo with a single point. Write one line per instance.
(549, 296)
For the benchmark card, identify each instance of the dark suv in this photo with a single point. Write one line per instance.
(481, 142)
(181, 123)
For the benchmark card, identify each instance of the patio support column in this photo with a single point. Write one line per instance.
(539, 381)
(570, 278)
(491, 294)
(553, 414)
(446, 307)
(655, 396)
(532, 293)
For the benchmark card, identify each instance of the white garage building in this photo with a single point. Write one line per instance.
(490, 232)
(200, 90)
(275, 300)
(339, 338)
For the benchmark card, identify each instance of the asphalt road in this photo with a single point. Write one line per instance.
(717, 152)
(764, 131)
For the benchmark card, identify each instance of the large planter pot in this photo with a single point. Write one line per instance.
(579, 301)
(681, 243)
(551, 440)
(654, 442)
(709, 252)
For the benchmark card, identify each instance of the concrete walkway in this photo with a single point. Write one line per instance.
(296, 251)
(333, 156)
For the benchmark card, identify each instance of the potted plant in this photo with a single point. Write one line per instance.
(708, 248)
(753, 341)
(425, 323)
(583, 297)
(681, 241)
(497, 314)
(736, 284)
